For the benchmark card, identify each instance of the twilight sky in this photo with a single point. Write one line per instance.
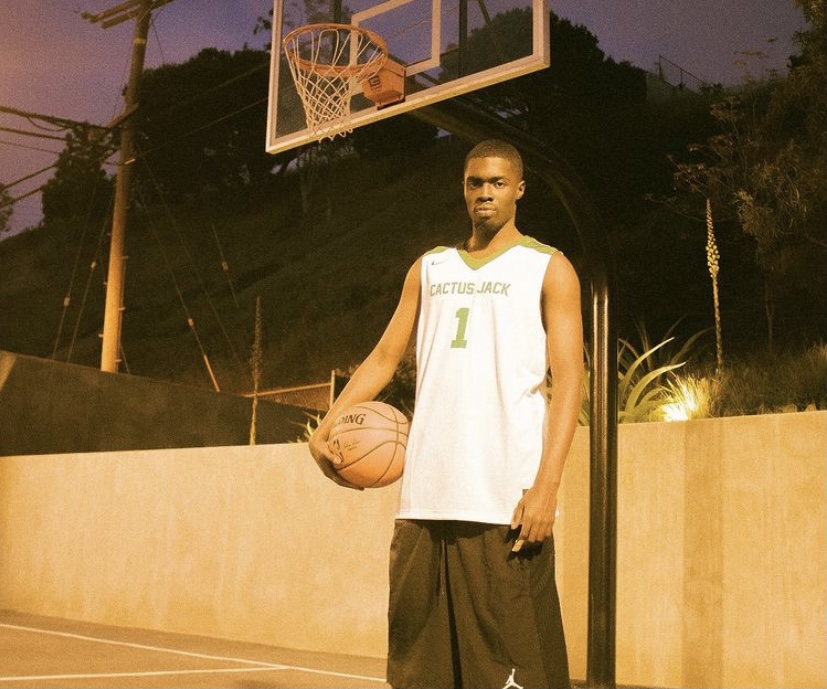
(54, 62)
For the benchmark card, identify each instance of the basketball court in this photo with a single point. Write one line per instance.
(47, 652)
(50, 653)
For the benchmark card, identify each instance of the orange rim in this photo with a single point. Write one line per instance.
(343, 71)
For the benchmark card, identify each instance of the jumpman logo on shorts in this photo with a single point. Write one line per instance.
(510, 683)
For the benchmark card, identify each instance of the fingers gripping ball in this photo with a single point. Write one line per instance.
(370, 438)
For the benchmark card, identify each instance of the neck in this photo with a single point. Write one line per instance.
(482, 242)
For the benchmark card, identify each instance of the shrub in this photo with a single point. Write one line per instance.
(649, 389)
(764, 383)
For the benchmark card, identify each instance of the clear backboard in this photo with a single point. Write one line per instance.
(437, 49)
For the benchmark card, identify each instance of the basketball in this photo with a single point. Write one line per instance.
(370, 438)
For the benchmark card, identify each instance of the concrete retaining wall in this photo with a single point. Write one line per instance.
(48, 407)
(722, 548)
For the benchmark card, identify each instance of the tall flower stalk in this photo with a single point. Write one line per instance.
(712, 257)
(255, 365)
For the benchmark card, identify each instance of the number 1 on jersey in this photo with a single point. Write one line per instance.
(459, 342)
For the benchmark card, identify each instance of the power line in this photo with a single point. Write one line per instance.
(59, 124)
(15, 144)
(200, 128)
(23, 132)
(12, 201)
(131, 9)
(20, 198)
(29, 176)
(128, 113)
(62, 123)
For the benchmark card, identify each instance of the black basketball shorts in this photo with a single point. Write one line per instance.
(466, 612)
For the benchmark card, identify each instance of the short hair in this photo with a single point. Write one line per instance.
(494, 148)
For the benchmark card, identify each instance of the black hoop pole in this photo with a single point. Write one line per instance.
(472, 124)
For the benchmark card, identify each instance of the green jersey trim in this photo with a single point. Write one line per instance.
(528, 242)
(436, 250)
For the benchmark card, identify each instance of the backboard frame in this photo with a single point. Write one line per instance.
(280, 138)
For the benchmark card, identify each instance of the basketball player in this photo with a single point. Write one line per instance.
(473, 600)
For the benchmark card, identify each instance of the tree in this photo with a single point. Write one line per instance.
(580, 80)
(80, 189)
(766, 169)
(787, 198)
(396, 135)
(585, 106)
(201, 124)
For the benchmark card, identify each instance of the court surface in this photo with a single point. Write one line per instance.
(48, 652)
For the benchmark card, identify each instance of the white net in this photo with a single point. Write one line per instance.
(327, 62)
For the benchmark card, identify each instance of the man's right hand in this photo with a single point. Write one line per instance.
(327, 460)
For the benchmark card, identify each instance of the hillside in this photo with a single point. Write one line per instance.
(327, 261)
(328, 279)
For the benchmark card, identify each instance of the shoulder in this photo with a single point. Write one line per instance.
(561, 279)
(533, 245)
(547, 260)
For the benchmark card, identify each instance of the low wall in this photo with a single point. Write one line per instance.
(721, 553)
(49, 407)
(722, 548)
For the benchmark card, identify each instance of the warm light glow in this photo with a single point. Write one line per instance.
(688, 398)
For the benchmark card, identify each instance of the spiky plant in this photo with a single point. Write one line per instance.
(642, 376)
(308, 427)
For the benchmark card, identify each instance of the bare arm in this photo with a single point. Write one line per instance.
(374, 373)
(564, 337)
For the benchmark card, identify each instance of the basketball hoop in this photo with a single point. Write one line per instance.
(327, 61)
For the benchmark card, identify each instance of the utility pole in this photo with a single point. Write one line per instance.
(141, 11)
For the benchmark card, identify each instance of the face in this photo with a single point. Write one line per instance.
(492, 189)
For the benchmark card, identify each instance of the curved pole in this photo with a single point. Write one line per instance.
(474, 125)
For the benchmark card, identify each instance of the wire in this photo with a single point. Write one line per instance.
(28, 148)
(12, 201)
(23, 132)
(224, 265)
(29, 176)
(154, 28)
(193, 265)
(190, 319)
(67, 300)
(165, 113)
(54, 128)
(171, 110)
(200, 128)
(92, 268)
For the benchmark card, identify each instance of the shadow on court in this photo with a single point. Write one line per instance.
(47, 652)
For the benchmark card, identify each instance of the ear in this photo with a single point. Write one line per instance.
(520, 189)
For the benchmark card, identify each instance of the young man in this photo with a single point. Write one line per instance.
(473, 601)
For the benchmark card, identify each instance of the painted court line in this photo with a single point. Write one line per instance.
(143, 647)
(258, 665)
(115, 675)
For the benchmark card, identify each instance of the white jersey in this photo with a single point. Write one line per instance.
(477, 434)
